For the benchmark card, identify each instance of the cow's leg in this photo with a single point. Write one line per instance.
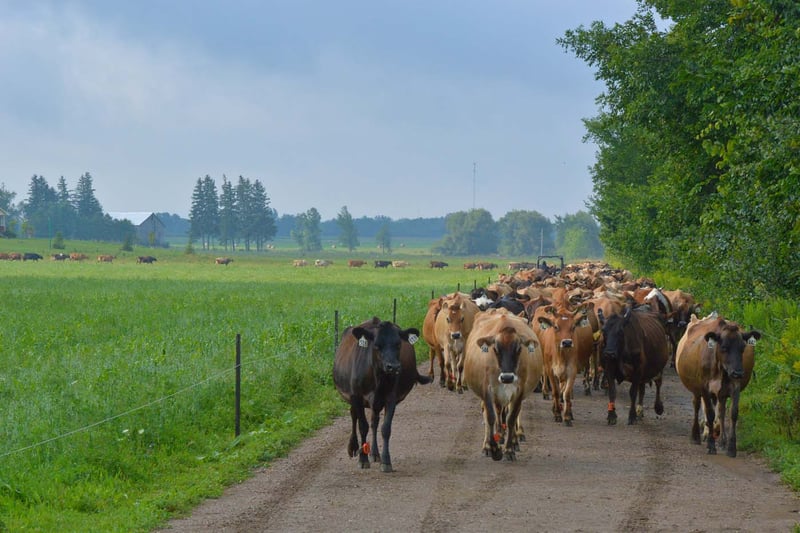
(487, 430)
(386, 433)
(708, 406)
(449, 364)
(376, 420)
(640, 401)
(363, 427)
(658, 406)
(555, 391)
(695, 423)
(633, 393)
(440, 354)
(567, 392)
(460, 387)
(612, 394)
(352, 446)
(490, 421)
(731, 444)
(512, 444)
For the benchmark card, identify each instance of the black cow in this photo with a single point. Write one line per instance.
(511, 304)
(148, 259)
(636, 350)
(382, 264)
(375, 366)
(29, 256)
(438, 264)
(60, 257)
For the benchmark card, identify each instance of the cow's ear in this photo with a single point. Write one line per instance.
(751, 337)
(411, 335)
(485, 342)
(530, 342)
(712, 339)
(544, 323)
(362, 333)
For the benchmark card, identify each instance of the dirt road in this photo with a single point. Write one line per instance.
(590, 477)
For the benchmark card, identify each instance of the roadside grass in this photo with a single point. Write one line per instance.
(117, 379)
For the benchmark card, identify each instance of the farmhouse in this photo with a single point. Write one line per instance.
(3, 216)
(149, 228)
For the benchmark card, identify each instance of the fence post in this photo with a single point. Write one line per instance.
(335, 330)
(238, 391)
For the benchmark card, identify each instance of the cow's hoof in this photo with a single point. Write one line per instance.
(497, 454)
(568, 422)
(612, 419)
(363, 464)
(386, 467)
(510, 455)
(659, 409)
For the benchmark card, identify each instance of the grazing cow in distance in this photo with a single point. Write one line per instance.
(375, 367)
(400, 264)
(714, 361)
(438, 264)
(30, 256)
(503, 364)
(146, 259)
(75, 256)
(105, 258)
(356, 263)
(223, 261)
(382, 264)
(635, 349)
(322, 263)
(59, 256)
(299, 263)
(453, 325)
(15, 256)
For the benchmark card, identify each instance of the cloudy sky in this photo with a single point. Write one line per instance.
(402, 108)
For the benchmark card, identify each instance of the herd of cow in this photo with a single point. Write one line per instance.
(539, 331)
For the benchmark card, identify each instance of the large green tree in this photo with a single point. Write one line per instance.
(525, 233)
(472, 232)
(348, 233)
(578, 237)
(307, 232)
(698, 132)
(204, 212)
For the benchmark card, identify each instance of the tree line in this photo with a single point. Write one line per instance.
(239, 216)
(698, 131)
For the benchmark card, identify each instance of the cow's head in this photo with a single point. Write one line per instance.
(386, 340)
(563, 323)
(614, 338)
(507, 346)
(728, 342)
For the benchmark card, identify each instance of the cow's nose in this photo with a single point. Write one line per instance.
(391, 368)
(566, 343)
(737, 374)
(507, 377)
(455, 335)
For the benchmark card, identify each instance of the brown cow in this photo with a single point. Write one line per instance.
(715, 360)
(74, 256)
(502, 366)
(683, 307)
(299, 263)
(429, 336)
(105, 258)
(375, 367)
(223, 261)
(438, 264)
(453, 324)
(635, 349)
(567, 345)
(357, 263)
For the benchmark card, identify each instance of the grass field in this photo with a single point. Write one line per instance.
(117, 379)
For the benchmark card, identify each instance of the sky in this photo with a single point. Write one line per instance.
(399, 108)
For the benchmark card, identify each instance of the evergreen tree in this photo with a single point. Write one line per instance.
(86, 204)
(348, 236)
(228, 215)
(204, 213)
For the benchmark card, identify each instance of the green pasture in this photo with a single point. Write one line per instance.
(117, 380)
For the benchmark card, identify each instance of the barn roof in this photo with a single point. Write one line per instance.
(136, 217)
